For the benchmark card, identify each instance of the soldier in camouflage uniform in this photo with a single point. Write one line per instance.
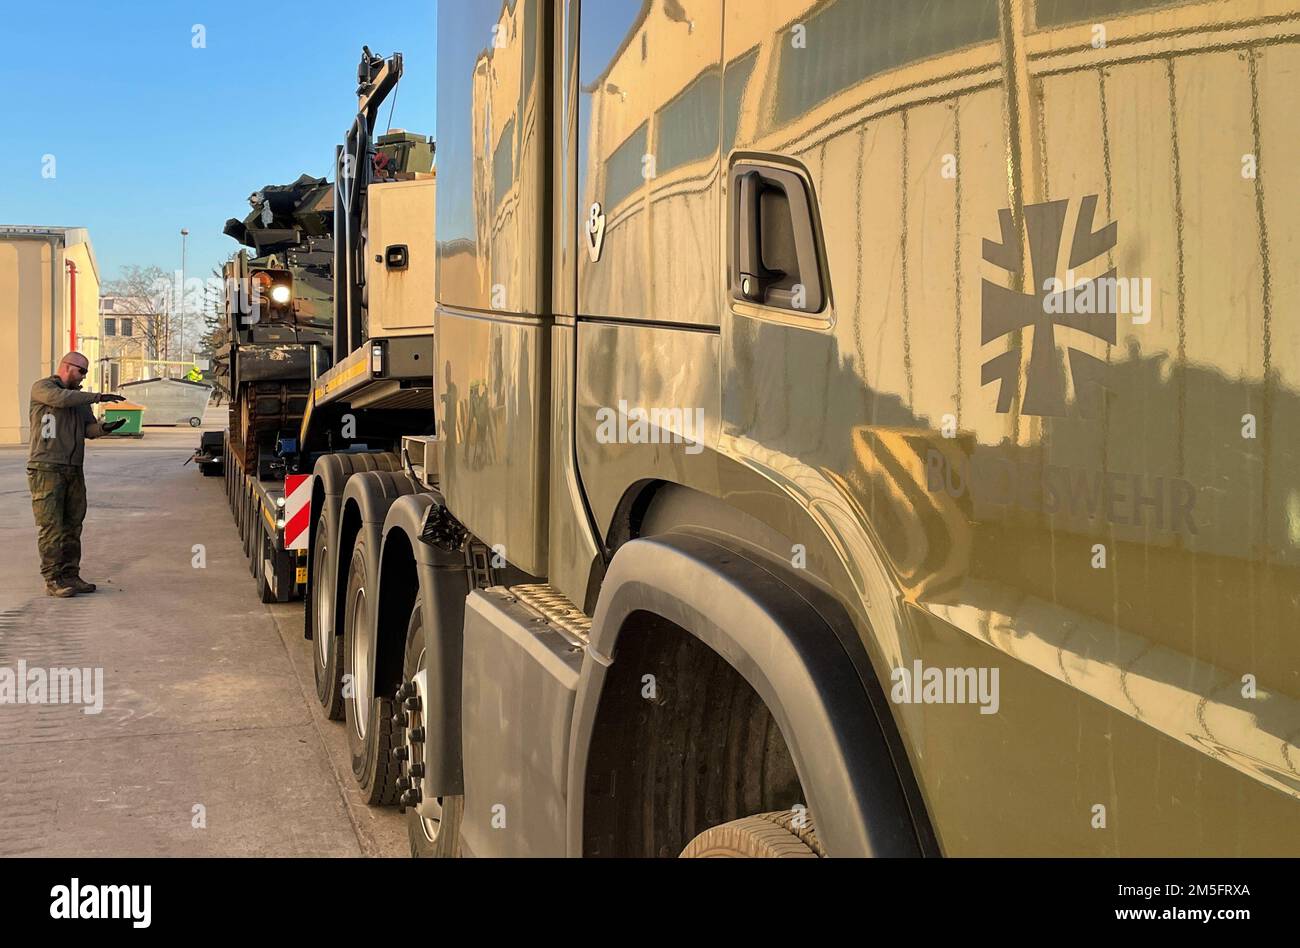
(61, 422)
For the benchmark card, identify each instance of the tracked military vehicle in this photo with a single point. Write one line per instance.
(278, 306)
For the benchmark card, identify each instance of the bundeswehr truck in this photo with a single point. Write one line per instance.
(851, 428)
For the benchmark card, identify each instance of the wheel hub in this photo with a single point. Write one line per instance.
(411, 723)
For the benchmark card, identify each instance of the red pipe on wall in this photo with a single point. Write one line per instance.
(72, 303)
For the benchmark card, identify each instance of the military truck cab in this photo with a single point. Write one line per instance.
(823, 428)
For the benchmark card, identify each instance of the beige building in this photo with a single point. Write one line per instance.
(39, 266)
(124, 353)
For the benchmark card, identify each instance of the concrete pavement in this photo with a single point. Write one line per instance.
(210, 740)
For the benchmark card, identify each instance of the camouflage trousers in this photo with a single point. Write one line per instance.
(59, 503)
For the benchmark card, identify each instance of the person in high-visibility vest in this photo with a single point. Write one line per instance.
(194, 375)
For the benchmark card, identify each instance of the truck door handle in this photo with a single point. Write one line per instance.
(774, 253)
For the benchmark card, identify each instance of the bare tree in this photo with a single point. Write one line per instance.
(147, 292)
(214, 336)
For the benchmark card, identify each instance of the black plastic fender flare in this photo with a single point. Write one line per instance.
(330, 476)
(371, 493)
(747, 613)
(444, 584)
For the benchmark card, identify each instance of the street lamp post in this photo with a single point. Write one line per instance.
(184, 234)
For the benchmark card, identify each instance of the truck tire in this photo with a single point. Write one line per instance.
(765, 836)
(263, 553)
(246, 531)
(368, 715)
(430, 839)
(253, 543)
(326, 660)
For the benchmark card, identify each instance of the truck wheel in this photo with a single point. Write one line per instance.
(765, 836)
(325, 644)
(263, 554)
(437, 836)
(368, 716)
(254, 542)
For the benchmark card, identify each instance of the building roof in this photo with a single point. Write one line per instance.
(71, 237)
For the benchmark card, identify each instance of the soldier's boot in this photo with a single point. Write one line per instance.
(58, 589)
(77, 584)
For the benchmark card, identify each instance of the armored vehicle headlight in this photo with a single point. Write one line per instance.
(280, 293)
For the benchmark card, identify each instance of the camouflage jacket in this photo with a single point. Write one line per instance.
(61, 422)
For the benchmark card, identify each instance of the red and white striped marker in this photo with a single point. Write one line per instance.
(297, 510)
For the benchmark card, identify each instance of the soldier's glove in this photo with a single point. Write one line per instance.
(110, 397)
(111, 426)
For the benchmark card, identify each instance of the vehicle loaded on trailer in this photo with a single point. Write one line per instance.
(802, 428)
(278, 320)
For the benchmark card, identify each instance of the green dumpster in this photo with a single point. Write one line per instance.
(133, 414)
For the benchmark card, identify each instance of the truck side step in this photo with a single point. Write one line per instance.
(557, 609)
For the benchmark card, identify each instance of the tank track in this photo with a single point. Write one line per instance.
(263, 408)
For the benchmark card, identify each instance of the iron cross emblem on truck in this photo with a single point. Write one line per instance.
(1089, 307)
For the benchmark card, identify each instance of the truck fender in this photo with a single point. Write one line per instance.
(329, 477)
(744, 610)
(443, 586)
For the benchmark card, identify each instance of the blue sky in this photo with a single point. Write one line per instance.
(151, 134)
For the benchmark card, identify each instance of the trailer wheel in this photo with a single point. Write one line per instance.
(249, 522)
(263, 554)
(765, 836)
(368, 715)
(325, 650)
(437, 836)
(253, 543)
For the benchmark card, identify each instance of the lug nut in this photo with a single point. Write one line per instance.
(417, 770)
(399, 720)
(403, 783)
(412, 703)
(417, 734)
(401, 753)
(411, 798)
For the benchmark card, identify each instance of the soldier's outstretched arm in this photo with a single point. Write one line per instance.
(45, 392)
(94, 428)
(91, 425)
